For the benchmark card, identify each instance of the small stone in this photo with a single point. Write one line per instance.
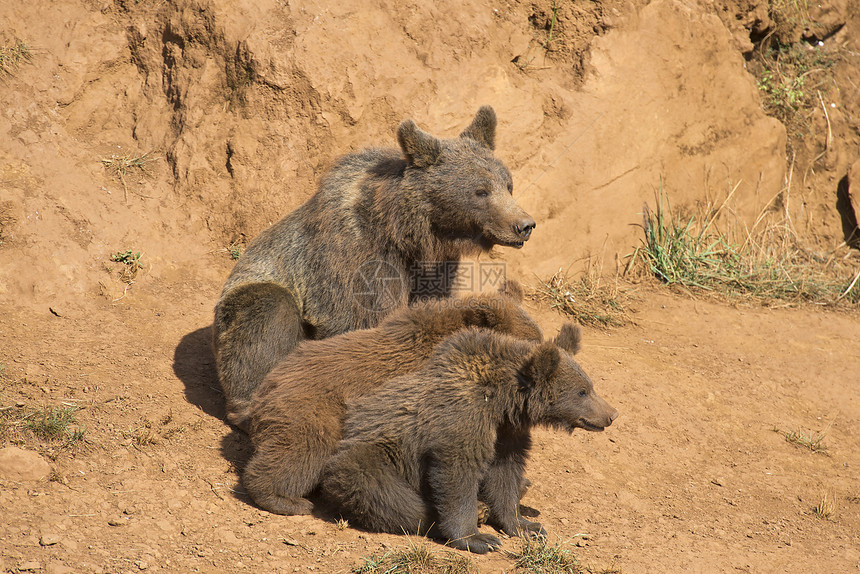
(118, 521)
(30, 565)
(142, 564)
(48, 539)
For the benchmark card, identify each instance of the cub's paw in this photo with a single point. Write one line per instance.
(477, 543)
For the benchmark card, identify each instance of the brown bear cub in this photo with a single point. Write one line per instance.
(296, 416)
(345, 258)
(419, 452)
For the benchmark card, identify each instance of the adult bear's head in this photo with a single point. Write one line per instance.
(468, 190)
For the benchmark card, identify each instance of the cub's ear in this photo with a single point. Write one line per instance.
(483, 128)
(569, 338)
(420, 148)
(513, 289)
(541, 364)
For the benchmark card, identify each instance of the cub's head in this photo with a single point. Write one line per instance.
(562, 395)
(468, 190)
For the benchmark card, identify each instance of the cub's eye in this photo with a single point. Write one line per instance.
(482, 192)
(582, 392)
(511, 187)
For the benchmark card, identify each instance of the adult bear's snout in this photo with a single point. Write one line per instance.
(524, 227)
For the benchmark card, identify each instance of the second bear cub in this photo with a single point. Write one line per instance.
(419, 452)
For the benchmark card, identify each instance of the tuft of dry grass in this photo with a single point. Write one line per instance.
(13, 56)
(590, 299)
(825, 507)
(120, 165)
(149, 433)
(123, 164)
(144, 435)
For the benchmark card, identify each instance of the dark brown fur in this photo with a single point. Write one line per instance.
(343, 260)
(297, 413)
(419, 451)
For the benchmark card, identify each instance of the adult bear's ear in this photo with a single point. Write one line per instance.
(542, 363)
(420, 148)
(569, 338)
(483, 128)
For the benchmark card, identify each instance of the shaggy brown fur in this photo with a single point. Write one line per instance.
(344, 259)
(297, 413)
(419, 452)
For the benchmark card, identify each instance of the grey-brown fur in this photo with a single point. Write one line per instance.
(296, 415)
(418, 453)
(326, 268)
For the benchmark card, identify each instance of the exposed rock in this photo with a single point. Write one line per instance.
(22, 465)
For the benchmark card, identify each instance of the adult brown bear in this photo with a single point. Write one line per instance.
(346, 257)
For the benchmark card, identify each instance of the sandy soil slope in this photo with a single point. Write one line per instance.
(242, 105)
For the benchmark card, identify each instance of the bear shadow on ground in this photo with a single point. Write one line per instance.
(194, 365)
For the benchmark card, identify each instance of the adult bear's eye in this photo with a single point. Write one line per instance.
(482, 192)
(582, 392)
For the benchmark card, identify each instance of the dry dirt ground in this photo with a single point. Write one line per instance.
(242, 105)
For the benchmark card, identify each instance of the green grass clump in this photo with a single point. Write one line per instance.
(126, 257)
(538, 556)
(768, 264)
(131, 264)
(55, 423)
(789, 79)
(809, 440)
(417, 558)
(792, 73)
